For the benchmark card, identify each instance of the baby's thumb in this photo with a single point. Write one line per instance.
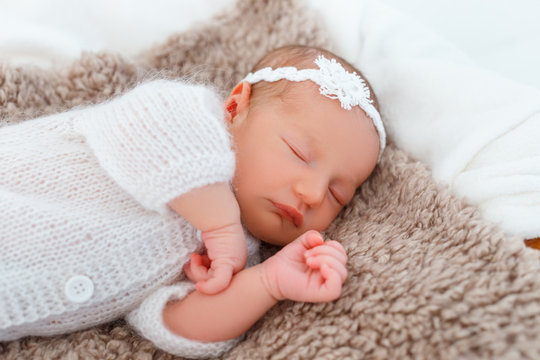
(311, 239)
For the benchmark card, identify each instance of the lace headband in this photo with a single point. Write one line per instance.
(334, 82)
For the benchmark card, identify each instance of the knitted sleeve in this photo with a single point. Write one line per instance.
(147, 319)
(160, 140)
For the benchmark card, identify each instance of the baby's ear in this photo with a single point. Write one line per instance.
(238, 101)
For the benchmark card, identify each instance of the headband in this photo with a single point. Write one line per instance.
(334, 82)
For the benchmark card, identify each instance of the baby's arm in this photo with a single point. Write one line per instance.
(213, 210)
(308, 269)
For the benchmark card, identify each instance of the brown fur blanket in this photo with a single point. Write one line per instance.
(429, 279)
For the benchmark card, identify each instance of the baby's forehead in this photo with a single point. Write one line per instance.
(320, 117)
(306, 95)
(303, 93)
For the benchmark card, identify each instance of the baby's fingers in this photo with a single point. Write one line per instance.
(220, 278)
(329, 248)
(197, 268)
(311, 239)
(331, 289)
(317, 262)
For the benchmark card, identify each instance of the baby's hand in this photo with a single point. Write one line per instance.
(213, 209)
(226, 255)
(308, 269)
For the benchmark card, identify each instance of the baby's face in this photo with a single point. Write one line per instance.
(299, 161)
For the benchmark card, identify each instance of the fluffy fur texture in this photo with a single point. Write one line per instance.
(428, 277)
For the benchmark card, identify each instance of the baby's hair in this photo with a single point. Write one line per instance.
(301, 57)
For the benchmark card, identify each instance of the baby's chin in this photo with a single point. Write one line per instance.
(270, 236)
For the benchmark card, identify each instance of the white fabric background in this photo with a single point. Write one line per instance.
(476, 129)
(500, 35)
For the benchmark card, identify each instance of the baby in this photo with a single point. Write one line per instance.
(104, 205)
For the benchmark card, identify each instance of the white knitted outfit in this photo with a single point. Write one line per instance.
(87, 236)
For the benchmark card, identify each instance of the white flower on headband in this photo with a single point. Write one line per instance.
(334, 82)
(337, 83)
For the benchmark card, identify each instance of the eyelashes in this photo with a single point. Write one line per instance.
(296, 152)
(336, 198)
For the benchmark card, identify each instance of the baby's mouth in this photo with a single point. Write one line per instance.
(290, 213)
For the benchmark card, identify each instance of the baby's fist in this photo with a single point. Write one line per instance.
(308, 269)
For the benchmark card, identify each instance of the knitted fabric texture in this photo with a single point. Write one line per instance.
(428, 278)
(85, 193)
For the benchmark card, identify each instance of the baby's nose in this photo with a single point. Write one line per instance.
(312, 191)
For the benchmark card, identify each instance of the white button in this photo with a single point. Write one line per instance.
(79, 288)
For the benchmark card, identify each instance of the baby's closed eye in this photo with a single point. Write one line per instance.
(296, 151)
(336, 196)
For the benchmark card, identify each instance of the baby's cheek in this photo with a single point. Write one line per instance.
(324, 218)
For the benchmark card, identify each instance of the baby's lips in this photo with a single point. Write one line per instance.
(291, 214)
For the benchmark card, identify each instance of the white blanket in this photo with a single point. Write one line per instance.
(479, 132)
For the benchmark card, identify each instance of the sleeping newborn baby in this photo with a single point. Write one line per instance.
(104, 206)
